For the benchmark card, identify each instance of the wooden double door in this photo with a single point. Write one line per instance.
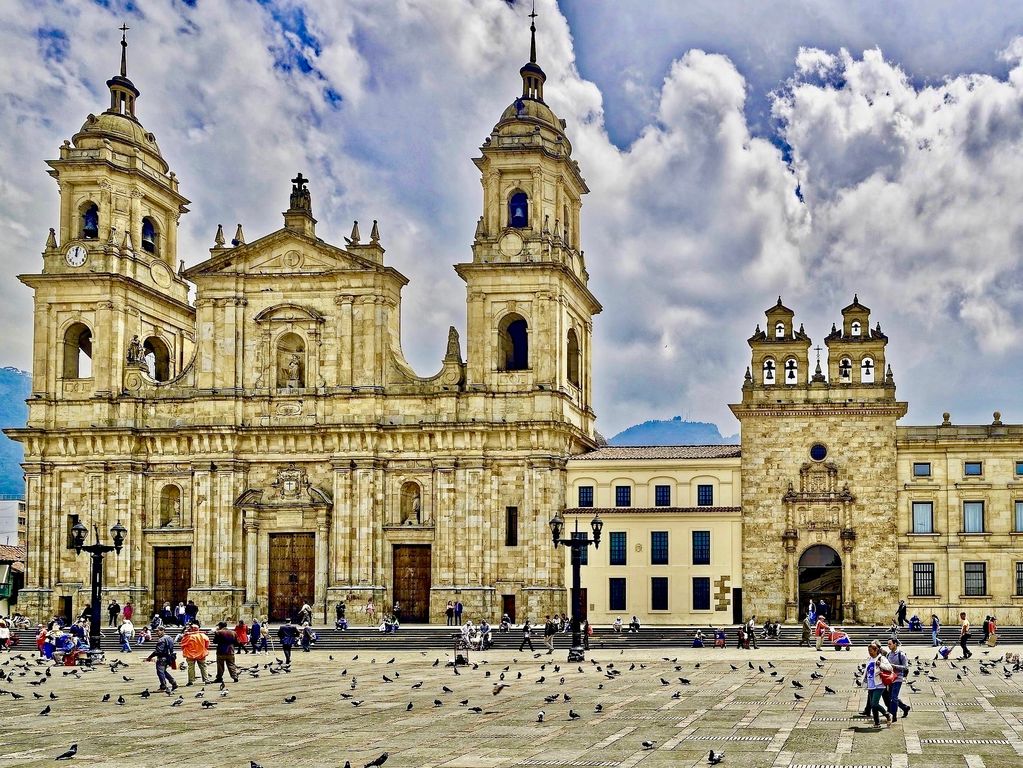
(172, 568)
(411, 581)
(292, 578)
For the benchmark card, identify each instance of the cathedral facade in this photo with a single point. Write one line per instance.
(267, 445)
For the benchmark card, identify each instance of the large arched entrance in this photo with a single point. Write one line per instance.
(820, 577)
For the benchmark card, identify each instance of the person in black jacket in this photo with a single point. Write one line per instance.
(288, 635)
(526, 639)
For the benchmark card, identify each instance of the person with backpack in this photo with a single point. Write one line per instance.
(900, 666)
(287, 633)
(526, 639)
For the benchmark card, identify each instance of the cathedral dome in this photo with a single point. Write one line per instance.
(119, 129)
(531, 110)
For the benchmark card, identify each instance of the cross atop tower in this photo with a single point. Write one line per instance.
(124, 49)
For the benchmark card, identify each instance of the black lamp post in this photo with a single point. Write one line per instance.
(577, 546)
(78, 534)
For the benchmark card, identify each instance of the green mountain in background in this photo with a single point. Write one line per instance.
(673, 432)
(15, 386)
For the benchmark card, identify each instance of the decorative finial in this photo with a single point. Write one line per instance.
(126, 244)
(300, 197)
(818, 374)
(998, 419)
(834, 328)
(856, 298)
(51, 240)
(779, 300)
(239, 237)
(532, 34)
(219, 240)
(480, 229)
(946, 419)
(353, 239)
(749, 376)
(374, 233)
(124, 49)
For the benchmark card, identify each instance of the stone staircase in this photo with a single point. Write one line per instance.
(435, 638)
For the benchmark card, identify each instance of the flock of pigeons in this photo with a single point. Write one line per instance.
(551, 674)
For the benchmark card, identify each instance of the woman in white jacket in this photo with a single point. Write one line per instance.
(876, 662)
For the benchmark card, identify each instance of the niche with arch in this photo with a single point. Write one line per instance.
(411, 504)
(791, 371)
(518, 210)
(170, 506)
(867, 371)
(89, 215)
(855, 328)
(150, 236)
(573, 357)
(769, 368)
(779, 330)
(156, 355)
(77, 352)
(291, 361)
(513, 343)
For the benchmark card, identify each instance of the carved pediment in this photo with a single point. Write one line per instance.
(288, 313)
(818, 482)
(291, 489)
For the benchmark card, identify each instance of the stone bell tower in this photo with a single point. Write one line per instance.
(818, 471)
(530, 310)
(109, 299)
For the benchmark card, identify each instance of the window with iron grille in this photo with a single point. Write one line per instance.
(584, 552)
(1019, 579)
(975, 579)
(662, 495)
(658, 547)
(923, 517)
(701, 547)
(623, 496)
(705, 495)
(616, 594)
(659, 593)
(618, 543)
(585, 495)
(701, 593)
(973, 516)
(923, 579)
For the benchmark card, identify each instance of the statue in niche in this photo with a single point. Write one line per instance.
(136, 354)
(291, 370)
(411, 505)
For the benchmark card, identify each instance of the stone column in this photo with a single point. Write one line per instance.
(322, 566)
(848, 593)
(343, 375)
(251, 555)
(790, 539)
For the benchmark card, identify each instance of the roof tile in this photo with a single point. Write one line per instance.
(661, 452)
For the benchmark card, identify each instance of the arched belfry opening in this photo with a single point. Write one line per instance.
(518, 210)
(573, 357)
(156, 355)
(820, 578)
(77, 352)
(89, 221)
(513, 343)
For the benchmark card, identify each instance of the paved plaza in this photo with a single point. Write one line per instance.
(960, 718)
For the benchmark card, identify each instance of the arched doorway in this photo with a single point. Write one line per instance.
(820, 578)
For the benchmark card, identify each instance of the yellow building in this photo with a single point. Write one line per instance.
(269, 445)
(670, 550)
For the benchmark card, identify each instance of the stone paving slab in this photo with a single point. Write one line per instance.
(972, 720)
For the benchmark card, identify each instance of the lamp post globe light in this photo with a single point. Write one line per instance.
(96, 551)
(576, 544)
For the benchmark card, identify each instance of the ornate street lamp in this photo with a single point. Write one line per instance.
(577, 545)
(96, 551)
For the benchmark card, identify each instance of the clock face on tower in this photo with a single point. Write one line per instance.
(76, 256)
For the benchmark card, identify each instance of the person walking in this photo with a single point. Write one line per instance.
(287, 633)
(900, 613)
(256, 635)
(751, 630)
(986, 627)
(935, 626)
(241, 631)
(458, 612)
(308, 637)
(449, 612)
(225, 641)
(526, 638)
(805, 638)
(992, 635)
(964, 634)
(126, 632)
(163, 653)
(550, 629)
(900, 664)
(195, 646)
(875, 688)
(113, 611)
(820, 629)
(305, 614)
(179, 615)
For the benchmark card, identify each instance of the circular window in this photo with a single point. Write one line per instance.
(818, 452)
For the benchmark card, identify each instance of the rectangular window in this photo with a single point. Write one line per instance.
(1019, 579)
(701, 547)
(662, 495)
(659, 593)
(1018, 518)
(973, 468)
(923, 579)
(923, 517)
(975, 579)
(701, 593)
(511, 529)
(973, 516)
(658, 547)
(921, 469)
(1019, 467)
(616, 594)
(617, 547)
(584, 552)
(72, 521)
(623, 496)
(585, 495)
(705, 495)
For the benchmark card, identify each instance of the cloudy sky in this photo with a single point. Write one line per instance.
(735, 151)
